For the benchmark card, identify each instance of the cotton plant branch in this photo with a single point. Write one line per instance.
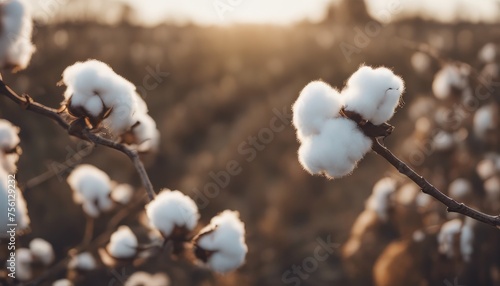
(384, 130)
(97, 242)
(79, 130)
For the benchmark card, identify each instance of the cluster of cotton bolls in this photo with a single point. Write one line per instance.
(454, 145)
(94, 190)
(330, 143)
(448, 234)
(34, 259)
(9, 155)
(220, 245)
(102, 97)
(16, 48)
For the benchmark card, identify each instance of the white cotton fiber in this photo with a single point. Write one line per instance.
(224, 239)
(467, 239)
(492, 187)
(42, 251)
(24, 258)
(488, 53)
(171, 209)
(486, 168)
(379, 201)
(316, 103)
(486, 120)
(9, 140)
(446, 237)
(141, 278)
(336, 150)
(123, 243)
(373, 93)
(16, 25)
(21, 215)
(122, 193)
(8, 135)
(91, 188)
(420, 62)
(448, 78)
(460, 188)
(84, 261)
(145, 134)
(62, 282)
(94, 87)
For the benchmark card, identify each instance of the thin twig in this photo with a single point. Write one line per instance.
(89, 231)
(453, 206)
(26, 102)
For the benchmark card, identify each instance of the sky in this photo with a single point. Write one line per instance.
(225, 12)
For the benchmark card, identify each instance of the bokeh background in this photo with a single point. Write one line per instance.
(227, 79)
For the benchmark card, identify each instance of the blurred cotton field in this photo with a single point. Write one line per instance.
(246, 116)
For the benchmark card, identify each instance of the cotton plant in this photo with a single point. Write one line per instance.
(84, 261)
(39, 252)
(173, 214)
(451, 80)
(123, 244)
(9, 155)
(221, 245)
(9, 146)
(454, 231)
(332, 144)
(96, 93)
(16, 47)
(91, 188)
(380, 199)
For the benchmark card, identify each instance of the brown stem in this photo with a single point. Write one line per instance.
(453, 206)
(89, 231)
(26, 102)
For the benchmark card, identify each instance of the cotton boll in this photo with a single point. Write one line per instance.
(123, 243)
(83, 261)
(62, 282)
(373, 93)
(486, 120)
(42, 251)
(447, 235)
(91, 188)
(420, 62)
(407, 194)
(122, 193)
(16, 48)
(488, 53)
(21, 219)
(467, 239)
(172, 213)
(486, 168)
(9, 138)
(143, 278)
(448, 78)
(145, 135)
(93, 88)
(460, 188)
(336, 150)
(492, 187)
(379, 201)
(24, 259)
(316, 103)
(221, 244)
(443, 141)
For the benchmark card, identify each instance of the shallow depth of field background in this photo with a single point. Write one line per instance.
(224, 83)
